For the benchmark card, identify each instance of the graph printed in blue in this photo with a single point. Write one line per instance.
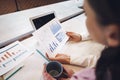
(53, 46)
(55, 27)
(60, 36)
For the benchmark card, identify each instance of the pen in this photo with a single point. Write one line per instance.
(14, 73)
(42, 55)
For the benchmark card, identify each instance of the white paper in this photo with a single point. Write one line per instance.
(12, 55)
(51, 37)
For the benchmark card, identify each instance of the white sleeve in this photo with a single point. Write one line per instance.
(85, 37)
(89, 52)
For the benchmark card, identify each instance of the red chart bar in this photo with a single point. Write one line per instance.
(6, 56)
(3, 58)
(9, 54)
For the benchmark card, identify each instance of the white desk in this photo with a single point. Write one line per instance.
(76, 24)
(16, 25)
(33, 66)
(79, 3)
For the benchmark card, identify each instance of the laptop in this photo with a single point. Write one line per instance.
(40, 20)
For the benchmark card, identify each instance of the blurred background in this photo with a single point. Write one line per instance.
(9, 6)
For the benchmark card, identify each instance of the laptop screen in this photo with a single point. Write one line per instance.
(42, 20)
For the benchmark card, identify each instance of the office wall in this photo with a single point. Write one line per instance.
(8, 6)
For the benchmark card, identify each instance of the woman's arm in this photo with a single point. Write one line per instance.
(77, 37)
(66, 58)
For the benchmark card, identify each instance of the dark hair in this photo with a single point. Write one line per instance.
(108, 65)
(107, 11)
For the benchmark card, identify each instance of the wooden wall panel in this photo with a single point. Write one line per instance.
(7, 6)
(26, 4)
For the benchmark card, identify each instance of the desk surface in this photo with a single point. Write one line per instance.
(76, 24)
(33, 66)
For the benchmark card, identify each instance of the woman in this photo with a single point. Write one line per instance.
(103, 24)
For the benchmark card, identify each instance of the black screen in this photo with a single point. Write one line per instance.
(38, 22)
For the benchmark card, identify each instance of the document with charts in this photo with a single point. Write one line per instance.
(12, 55)
(51, 37)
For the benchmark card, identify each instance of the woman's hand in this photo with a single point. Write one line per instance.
(69, 71)
(74, 37)
(47, 76)
(65, 59)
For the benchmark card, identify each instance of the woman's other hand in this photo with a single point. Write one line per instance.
(74, 37)
(65, 59)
